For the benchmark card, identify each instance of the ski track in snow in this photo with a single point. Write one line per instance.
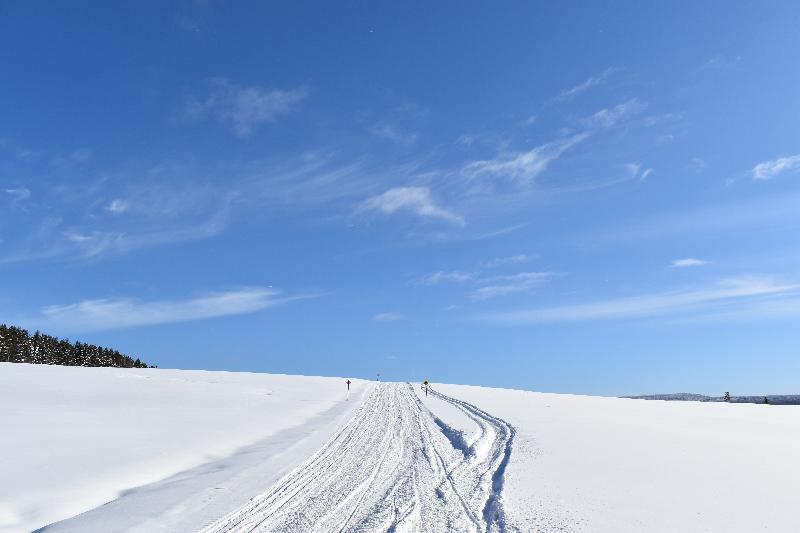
(393, 467)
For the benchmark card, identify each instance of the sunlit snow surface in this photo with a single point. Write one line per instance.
(391, 468)
(76, 438)
(187, 450)
(614, 465)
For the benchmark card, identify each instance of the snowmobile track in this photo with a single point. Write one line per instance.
(393, 467)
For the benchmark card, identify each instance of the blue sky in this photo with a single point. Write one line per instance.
(561, 196)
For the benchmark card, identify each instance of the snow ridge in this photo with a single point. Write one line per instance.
(390, 468)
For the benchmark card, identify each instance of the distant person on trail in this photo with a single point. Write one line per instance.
(425, 386)
(348, 385)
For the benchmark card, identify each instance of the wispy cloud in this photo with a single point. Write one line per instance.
(77, 156)
(633, 168)
(696, 164)
(637, 170)
(725, 292)
(721, 62)
(18, 194)
(500, 231)
(483, 287)
(770, 169)
(115, 313)
(155, 216)
(687, 262)
(394, 134)
(117, 206)
(416, 200)
(19, 151)
(243, 108)
(523, 167)
(753, 213)
(388, 317)
(312, 180)
(168, 194)
(514, 283)
(609, 117)
(99, 242)
(176, 201)
(466, 140)
(448, 277)
(509, 260)
(590, 82)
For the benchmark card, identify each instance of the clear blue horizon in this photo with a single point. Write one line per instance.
(566, 197)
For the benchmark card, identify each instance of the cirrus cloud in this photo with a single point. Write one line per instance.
(770, 169)
(511, 284)
(609, 117)
(442, 276)
(417, 200)
(725, 293)
(18, 194)
(688, 262)
(590, 82)
(243, 108)
(117, 313)
(387, 317)
(523, 167)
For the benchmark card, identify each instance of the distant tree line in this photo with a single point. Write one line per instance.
(19, 346)
(772, 399)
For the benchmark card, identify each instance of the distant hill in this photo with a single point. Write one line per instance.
(774, 399)
(675, 397)
(19, 346)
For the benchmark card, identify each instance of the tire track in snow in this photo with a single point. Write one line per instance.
(493, 513)
(392, 467)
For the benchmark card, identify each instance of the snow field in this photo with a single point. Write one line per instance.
(612, 465)
(192, 450)
(75, 438)
(390, 468)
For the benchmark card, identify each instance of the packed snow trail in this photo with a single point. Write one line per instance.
(393, 467)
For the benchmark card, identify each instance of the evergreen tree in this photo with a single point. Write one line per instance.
(18, 346)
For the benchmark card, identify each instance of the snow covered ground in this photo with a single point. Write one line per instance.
(392, 468)
(76, 438)
(215, 451)
(593, 464)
